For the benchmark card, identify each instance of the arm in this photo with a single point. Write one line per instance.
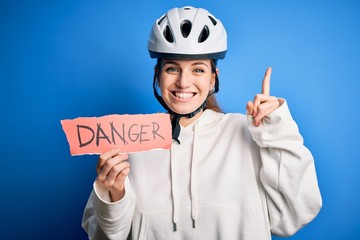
(103, 219)
(288, 172)
(110, 209)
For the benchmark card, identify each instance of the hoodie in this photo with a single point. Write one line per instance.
(226, 180)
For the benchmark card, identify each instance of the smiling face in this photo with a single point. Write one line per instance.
(185, 84)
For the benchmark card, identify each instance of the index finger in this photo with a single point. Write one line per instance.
(266, 82)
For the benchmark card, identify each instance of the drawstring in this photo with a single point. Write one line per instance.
(194, 210)
(192, 180)
(173, 190)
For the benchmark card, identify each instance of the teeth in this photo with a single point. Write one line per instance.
(183, 95)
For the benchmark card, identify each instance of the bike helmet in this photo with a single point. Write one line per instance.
(187, 33)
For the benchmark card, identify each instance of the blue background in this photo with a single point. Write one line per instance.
(64, 59)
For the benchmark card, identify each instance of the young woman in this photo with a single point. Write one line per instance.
(227, 176)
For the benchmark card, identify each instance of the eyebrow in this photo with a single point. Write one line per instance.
(177, 64)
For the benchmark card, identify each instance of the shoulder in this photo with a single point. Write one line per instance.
(211, 115)
(223, 120)
(231, 126)
(235, 119)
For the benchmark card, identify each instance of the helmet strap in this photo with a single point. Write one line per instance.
(176, 119)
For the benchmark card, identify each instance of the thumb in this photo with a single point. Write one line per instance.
(249, 108)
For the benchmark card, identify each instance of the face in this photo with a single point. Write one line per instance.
(185, 84)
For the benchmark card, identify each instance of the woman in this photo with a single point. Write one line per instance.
(227, 176)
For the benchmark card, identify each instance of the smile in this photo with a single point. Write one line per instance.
(183, 95)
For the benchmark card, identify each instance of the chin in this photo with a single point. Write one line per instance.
(182, 110)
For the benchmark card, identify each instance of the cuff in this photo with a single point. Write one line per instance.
(103, 205)
(276, 125)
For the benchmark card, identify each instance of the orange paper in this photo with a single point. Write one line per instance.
(131, 133)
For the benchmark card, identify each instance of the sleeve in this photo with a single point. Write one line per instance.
(103, 219)
(287, 173)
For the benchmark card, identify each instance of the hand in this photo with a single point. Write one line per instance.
(263, 103)
(112, 169)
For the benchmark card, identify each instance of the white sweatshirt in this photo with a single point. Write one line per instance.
(226, 180)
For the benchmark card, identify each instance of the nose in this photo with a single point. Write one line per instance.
(184, 80)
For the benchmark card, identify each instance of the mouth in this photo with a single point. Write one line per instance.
(183, 95)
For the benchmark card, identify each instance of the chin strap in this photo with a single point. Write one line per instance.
(176, 127)
(175, 122)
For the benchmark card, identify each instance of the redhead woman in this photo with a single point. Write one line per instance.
(226, 176)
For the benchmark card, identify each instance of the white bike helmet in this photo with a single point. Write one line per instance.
(187, 33)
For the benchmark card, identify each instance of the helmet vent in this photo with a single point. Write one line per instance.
(161, 19)
(168, 34)
(204, 34)
(185, 28)
(213, 20)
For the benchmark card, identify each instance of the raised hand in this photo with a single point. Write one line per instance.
(263, 103)
(112, 169)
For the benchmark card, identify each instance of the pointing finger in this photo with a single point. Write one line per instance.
(266, 82)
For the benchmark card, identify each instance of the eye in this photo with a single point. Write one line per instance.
(199, 70)
(171, 70)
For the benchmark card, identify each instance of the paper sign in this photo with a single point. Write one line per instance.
(131, 133)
